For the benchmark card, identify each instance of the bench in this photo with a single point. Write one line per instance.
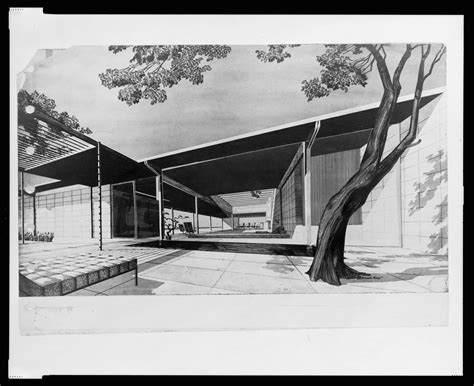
(62, 275)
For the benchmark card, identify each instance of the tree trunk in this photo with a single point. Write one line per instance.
(328, 264)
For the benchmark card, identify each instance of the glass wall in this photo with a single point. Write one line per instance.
(123, 210)
(148, 217)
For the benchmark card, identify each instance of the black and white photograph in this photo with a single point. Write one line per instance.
(236, 185)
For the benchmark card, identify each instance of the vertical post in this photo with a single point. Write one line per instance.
(162, 206)
(232, 220)
(159, 198)
(172, 219)
(99, 187)
(222, 223)
(22, 193)
(197, 213)
(111, 211)
(307, 193)
(210, 224)
(34, 214)
(92, 212)
(399, 193)
(135, 209)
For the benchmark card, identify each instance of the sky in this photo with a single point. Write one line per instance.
(239, 95)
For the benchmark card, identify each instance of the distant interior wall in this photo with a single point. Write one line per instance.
(288, 210)
(329, 173)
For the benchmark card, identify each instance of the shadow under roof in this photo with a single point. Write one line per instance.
(254, 161)
(352, 121)
(259, 160)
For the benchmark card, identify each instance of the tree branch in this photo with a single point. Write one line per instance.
(388, 162)
(382, 66)
(401, 64)
(436, 59)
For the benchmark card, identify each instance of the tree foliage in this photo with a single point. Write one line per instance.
(343, 65)
(153, 69)
(32, 134)
(48, 105)
(275, 53)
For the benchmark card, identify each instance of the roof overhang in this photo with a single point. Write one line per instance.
(259, 160)
(254, 161)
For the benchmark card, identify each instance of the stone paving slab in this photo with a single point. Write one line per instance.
(188, 272)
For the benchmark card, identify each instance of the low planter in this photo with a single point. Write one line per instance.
(40, 236)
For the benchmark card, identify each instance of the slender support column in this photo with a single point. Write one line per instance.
(196, 208)
(162, 205)
(307, 194)
(34, 214)
(159, 198)
(232, 221)
(135, 210)
(222, 223)
(99, 187)
(22, 193)
(210, 224)
(398, 174)
(111, 206)
(307, 183)
(92, 212)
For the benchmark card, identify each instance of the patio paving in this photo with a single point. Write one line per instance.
(185, 272)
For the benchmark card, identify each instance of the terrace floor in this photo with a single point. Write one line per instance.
(165, 271)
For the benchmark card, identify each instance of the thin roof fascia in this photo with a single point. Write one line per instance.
(323, 117)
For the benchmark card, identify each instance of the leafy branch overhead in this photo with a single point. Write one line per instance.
(33, 134)
(48, 105)
(342, 66)
(153, 69)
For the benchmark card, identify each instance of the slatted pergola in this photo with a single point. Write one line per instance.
(42, 140)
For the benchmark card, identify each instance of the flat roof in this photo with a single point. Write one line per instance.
(258, 160)
(252, 161)
(336, 123)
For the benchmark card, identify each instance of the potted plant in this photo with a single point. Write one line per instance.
(171, 224)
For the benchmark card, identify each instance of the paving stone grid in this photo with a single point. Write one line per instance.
(61, 275)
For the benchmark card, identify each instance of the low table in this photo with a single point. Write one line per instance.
(58, 276)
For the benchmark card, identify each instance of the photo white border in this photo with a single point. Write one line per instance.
(296, 333)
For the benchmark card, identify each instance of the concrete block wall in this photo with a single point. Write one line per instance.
(409, 206)
(67, 212)
(381, 212)
(29, 220)
(424, 182)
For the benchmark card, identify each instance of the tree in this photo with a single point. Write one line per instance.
(155, 68)
(172, 223)
(343, 66)
(31, 134)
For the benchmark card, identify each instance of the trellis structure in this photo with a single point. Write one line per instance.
(42, 141)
